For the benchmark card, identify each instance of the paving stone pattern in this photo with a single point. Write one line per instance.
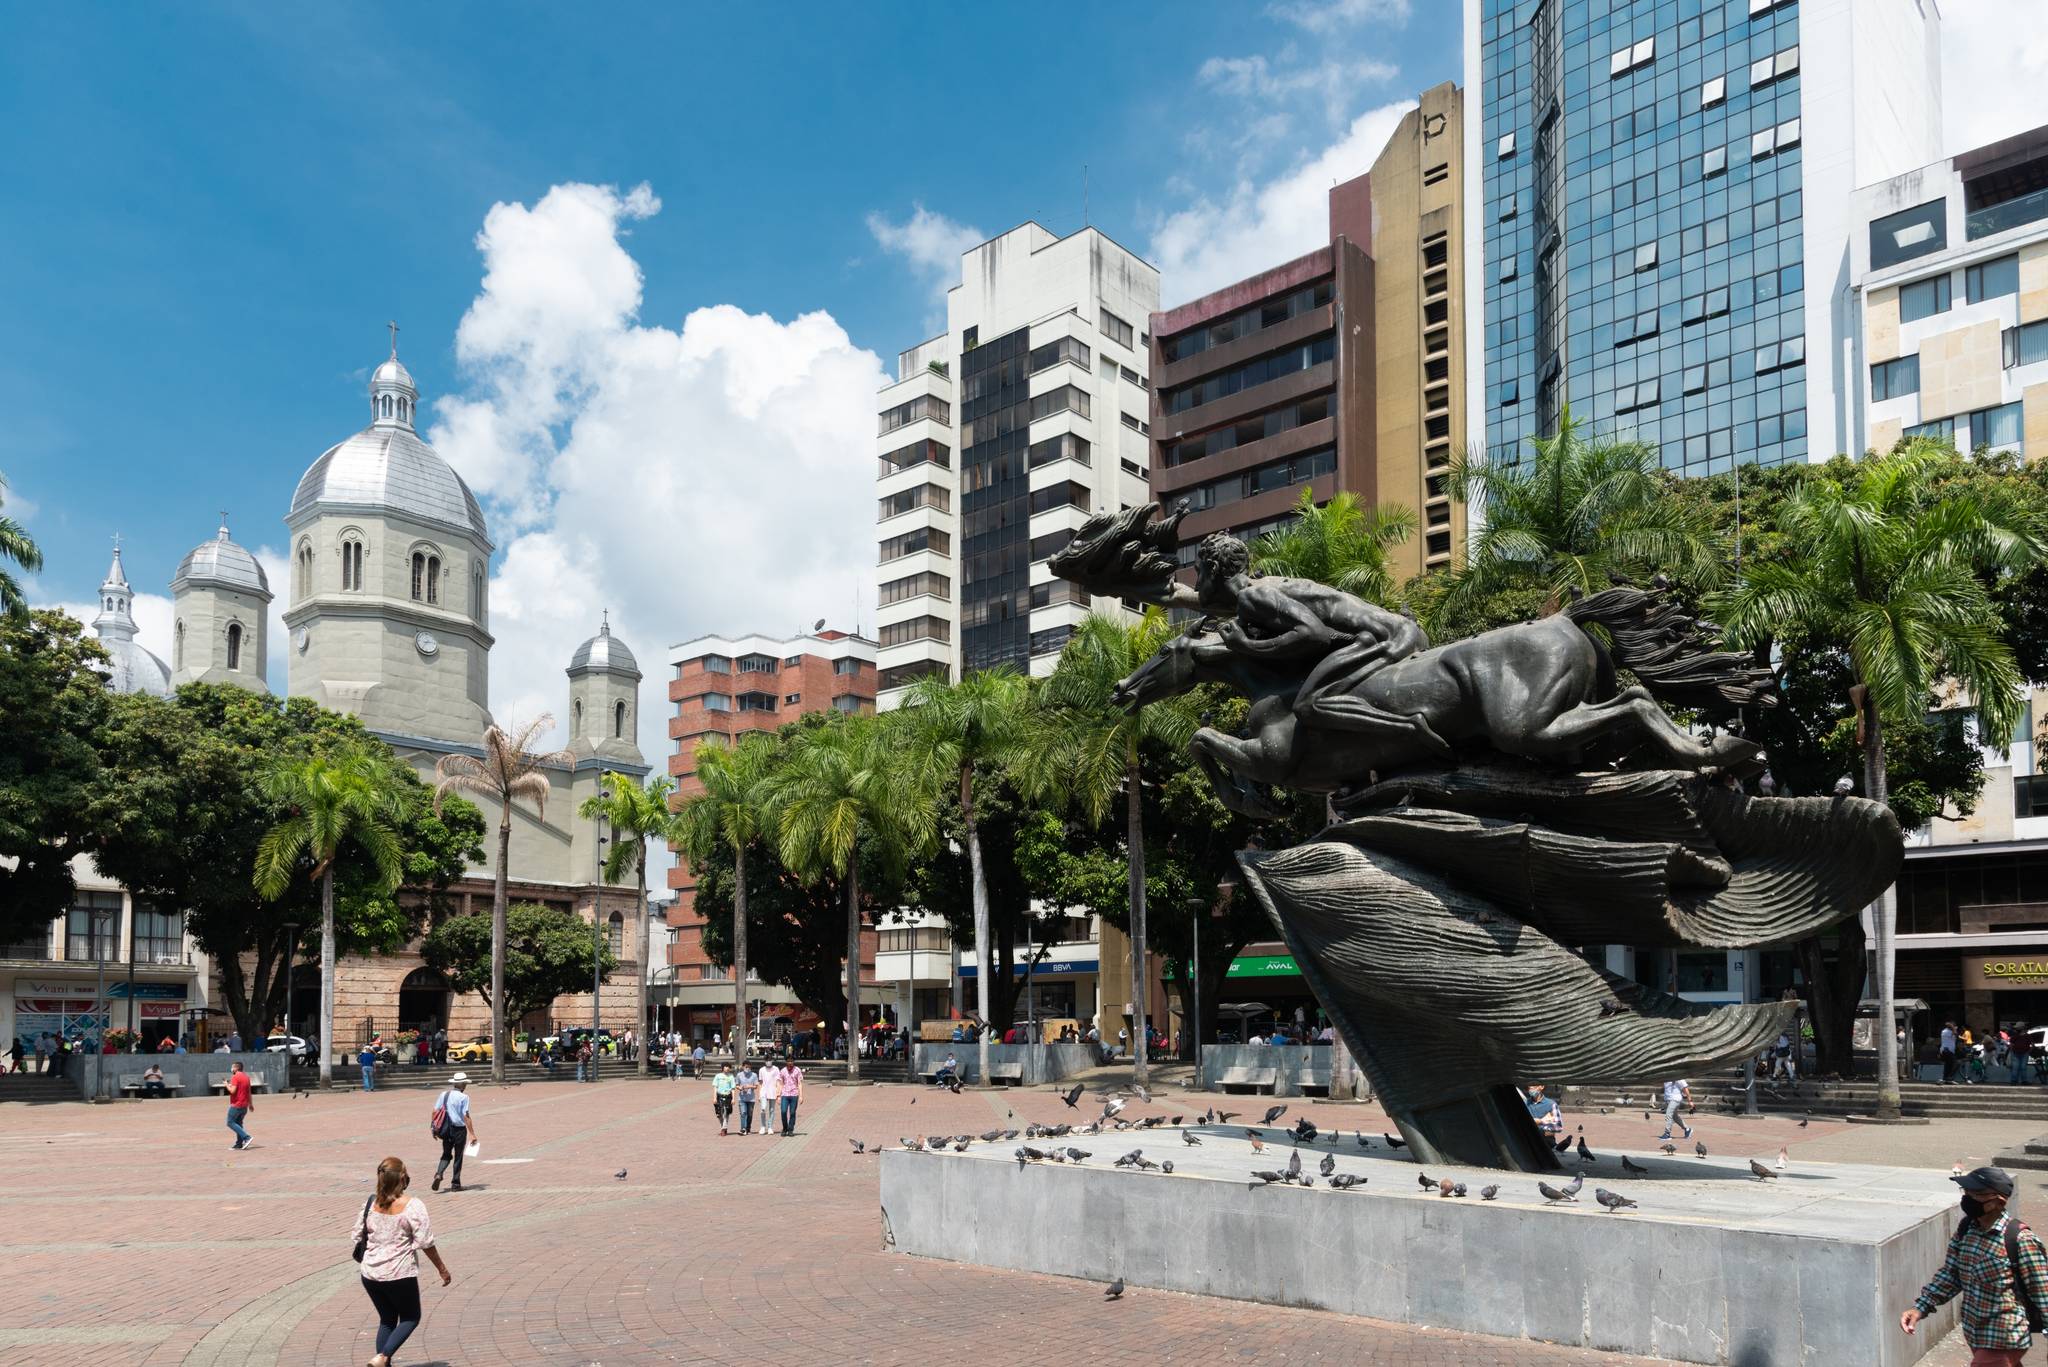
(135, 1237)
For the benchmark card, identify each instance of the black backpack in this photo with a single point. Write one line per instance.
(2014, 1227)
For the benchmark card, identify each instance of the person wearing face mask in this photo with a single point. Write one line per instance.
(1999, 1268)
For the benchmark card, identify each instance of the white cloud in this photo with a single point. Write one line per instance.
(710, 477)
(1334, 82)
(152, 612)
(1258, 225)
(1329, 16)
(930, 243)
(1994, 71)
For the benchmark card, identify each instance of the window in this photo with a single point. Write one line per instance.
(1908, 233)
(352, 566)
(476, 594)
(615, 934)
(2026, 344)
(1924, 298)
(159, 935)
(925, 585)
(1065, 446)
(1714, 91)
(618, 719)
(927, 452)
(92, 927)
(924, 406)
(1437, 174)
(1067, 398)
(1992, 279)
(1136, 425)
(1509, 267)
(716, 664)
(716, 702)
(305, 563)
(576, 718)
(1056, 592)
(1764, 70)
(903, 675)
(419, 572)
(1635, 55)
(1066, 494)
(792, 699)
(234, 645)
(847, 664)
(923, 539)
(915, 629)
(1050, 641)
(1132, 376)
(1275, 365)
(757, 664)
(1507, 145)
(1895, 379)
(1509, 207)
(1713, 161)
(1063, 349)
(1998, 427)
(932, 496)
(1117, 330)
(757, 702)
(1940, 429)
(1646, 256)
(1049, 544)
(847, 702)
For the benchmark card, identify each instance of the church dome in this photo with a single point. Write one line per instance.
(386, 467)
(222, 562)
(604, 653)
(131, 669)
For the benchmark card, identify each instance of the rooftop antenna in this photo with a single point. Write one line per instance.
(1084, 194)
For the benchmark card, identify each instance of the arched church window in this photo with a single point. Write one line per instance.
(305, 569)
(618, 719)
(576, 718)
(618, 936)
(178, 647)
(433, 579)
(419, 569)
(403, 414)
(476, 594)
(352, 565)
(234, 645)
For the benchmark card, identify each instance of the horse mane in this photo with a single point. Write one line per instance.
(1677, 656)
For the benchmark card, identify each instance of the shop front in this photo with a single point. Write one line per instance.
(75, 1009)
(2006, 988)
(1058, 988)
(1263, 989)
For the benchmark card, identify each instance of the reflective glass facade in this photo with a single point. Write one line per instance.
(1641, 212)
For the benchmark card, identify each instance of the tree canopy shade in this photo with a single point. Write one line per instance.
(636, 815)
(18, 546)
(54, 706)
(547, 953)
(507, 771)
(1341, 543)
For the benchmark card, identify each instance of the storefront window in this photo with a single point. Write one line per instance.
(1703, 972)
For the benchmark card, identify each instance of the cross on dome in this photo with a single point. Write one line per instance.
(393, 396)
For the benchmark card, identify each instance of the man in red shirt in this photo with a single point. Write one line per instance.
(240, 1103)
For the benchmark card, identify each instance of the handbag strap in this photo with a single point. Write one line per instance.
(367, 1201)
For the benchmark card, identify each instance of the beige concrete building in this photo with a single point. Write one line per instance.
(1418, 326)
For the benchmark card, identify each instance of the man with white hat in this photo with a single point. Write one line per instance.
(456, 1127)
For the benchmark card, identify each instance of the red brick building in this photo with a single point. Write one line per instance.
(726, 686)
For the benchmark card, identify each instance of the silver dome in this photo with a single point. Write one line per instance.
(224, 562)
(387, 467)
(131, 669)
(604, 653)
(392, 371)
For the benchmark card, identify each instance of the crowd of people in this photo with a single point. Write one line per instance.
(2010, 1053)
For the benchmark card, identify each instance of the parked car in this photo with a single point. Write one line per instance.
(476, 1049)
(286, 1044)
(569, 1040)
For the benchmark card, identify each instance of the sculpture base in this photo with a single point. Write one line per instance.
(1715, 1267)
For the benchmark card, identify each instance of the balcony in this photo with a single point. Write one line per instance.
(37, 951)
(2011, 213)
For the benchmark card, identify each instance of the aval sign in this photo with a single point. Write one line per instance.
(1262, 966)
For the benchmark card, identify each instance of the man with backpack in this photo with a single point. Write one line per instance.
(453, 1126)
(1999, 1268)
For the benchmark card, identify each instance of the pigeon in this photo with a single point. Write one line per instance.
(1699, 1146)
(1550, 1193)
(1176, 1120)
(1572, 1187)
(1009, 1135)
(1258, 1140)
(1151, 1121)
(1668, 1147)
(1223, 1117)
(991, 1136)
(1345, 1181)
(1273, 1113)
(1424, 1180)
(1079, 1155)
(1294, 1164)
(1130, 1159)
(1073, 1099)
(1394, 1143)
(1208, 1115)
(1191, 1139)
(1363, 1142)
(1760, 1170)
(1613, 1200)
(1027, 1154)
(1458, 1189)
(960, 1146)
(1110, 1109)
(1270, 1177)
(1611, 1007)
(1329, 1164)
(1145, 1165)
(1304, 1133)
(1784, 1160)
(1844, 786)
(1114, 1291)
(1144, 1095)
(1167, 1167)
(619, 1176)
(913, 1101)
(912, 1144)
(1633, 1168)
(1488, 1193)
(1585, 1154)
(1804, 1118)
(858, 1147)
(1564, 1142)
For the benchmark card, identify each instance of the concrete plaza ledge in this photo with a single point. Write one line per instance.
(1295, 1069)
(192, 1069)
(1715, 1267)
(1042, 1063)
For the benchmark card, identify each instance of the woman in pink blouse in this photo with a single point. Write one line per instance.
(394, 1232)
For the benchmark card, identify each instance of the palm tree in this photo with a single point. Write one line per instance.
(18, 546)
(637, 815)
(957, 729)
(1341, 543)
(730, 811)
(507, 770)
(1574, 514)
(331, 801)
(1890, 569)
(1087, 749)
(842, 783)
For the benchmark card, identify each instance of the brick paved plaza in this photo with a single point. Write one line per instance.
(134, 1236)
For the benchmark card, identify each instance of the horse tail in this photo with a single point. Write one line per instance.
(1675, 655)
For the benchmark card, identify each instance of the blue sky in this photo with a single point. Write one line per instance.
(210, 211)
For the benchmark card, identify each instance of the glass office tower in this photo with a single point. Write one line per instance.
(1660, 212)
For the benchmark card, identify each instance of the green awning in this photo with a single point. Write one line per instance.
(1262, 966)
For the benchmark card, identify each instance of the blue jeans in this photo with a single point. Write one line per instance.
(789, 1115)
(369, 1078)
(235, 1114)
(747, 1114)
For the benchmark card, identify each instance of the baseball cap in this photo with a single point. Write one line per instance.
(1985, 1179)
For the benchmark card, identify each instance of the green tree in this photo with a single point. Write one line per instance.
(1341, 543)
(547, 952)
(1572, 515)
(1085, 749)
(507, 771)
(336, 806)
(966, 730)
(1889, 568)
(637, 815)
(16, 545)
(843, 786)
(53, 705)
(729, 813)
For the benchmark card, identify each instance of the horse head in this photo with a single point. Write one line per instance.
(1170, 671)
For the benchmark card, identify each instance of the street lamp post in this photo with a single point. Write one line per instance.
(291, 946)
(100, 1014)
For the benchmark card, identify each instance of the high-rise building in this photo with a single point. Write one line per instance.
(1661, 196)
(724, 687)
(996, 440)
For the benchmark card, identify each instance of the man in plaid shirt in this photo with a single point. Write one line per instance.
(1982, 1268)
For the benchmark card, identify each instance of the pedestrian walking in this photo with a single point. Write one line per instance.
(668, 1062)
(1948, 1051)
(1548, 1116)
(1677, 1093)
(771, 1095)
(792, 1096)
(390, 1235)
(240, 1103)
(43, 1052)
(1999, 1268)
(722, 1085)
(748, 1085)
(455, 1130)
(367, 1061)
(697, 1061)
(15, 1054)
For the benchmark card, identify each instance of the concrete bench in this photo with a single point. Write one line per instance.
(132, 1082)
(1011, 1074)
(931, 1075)
(1257, 1079)
(1314, 1084)
(219, 1082)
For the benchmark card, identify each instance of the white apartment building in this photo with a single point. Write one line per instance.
(998, 439)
